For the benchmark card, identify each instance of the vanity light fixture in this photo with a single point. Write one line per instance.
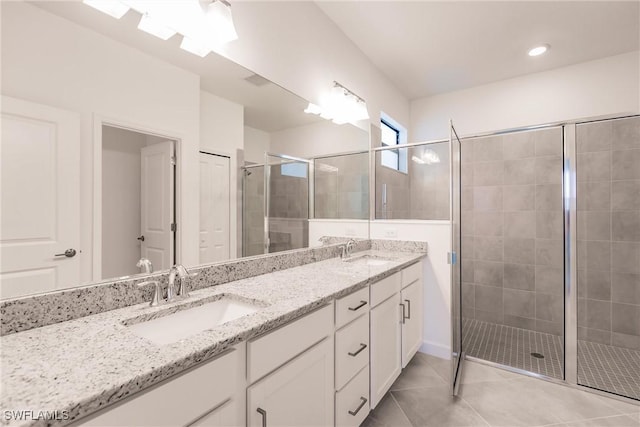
(340, 106)
(539, 50)
(155, 27)
(194, 47)
(204, 24)
(112, 8)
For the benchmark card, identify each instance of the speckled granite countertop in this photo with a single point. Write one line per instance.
(82, 365)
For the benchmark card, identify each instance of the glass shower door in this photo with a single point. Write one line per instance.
(457, 356)
(608, 255)
(286, 225)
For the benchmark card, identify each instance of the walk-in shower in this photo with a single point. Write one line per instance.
(550, 252)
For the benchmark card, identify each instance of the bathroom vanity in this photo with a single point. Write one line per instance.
(324, 344)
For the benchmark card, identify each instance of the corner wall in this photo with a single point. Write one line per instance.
(604, 86)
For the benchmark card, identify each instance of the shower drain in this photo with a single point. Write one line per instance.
(538, 355)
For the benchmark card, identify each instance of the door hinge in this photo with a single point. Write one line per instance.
(173, 160)
(452, 258)
(174, 227)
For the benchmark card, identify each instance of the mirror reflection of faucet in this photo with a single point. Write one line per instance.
(145, 265)
(178, 271)
(347, 249)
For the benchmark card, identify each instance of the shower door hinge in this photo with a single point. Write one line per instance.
(174, 226)
(452, 258)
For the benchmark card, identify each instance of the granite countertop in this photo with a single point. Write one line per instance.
(82, 365)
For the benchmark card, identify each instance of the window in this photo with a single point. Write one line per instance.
(298, 170)
(390, 137)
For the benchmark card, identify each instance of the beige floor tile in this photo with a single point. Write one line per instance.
(418, 373)
(433, 406)
(387, 413)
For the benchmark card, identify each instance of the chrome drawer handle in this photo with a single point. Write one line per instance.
(408, 308)
(362, 403)
(359, 306)
(264, 416)
(362, 347)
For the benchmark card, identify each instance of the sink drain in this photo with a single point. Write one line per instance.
(538, 355)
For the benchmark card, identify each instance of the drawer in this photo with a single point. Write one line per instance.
(351, 306)
(148, 408)
(386, 287)
(352, 350)
(411, 274)
(266, 353)
(352, 402)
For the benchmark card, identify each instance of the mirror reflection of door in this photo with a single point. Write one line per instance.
(40, 197)
(138, 201)
(215, 205)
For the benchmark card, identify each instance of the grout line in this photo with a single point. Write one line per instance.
(474, 410)
(400, 408)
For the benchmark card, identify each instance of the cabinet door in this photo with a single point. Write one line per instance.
(224, 415)
(385, 347)
(412, 323)
(300, 393)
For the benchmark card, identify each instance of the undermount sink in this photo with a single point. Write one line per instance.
(176, 325)
(369, 260)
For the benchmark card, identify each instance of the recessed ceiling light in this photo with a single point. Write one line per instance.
(539, 50)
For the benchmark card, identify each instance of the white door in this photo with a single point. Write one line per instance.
(300, 393)
(412, 323)
(156, 199)
(214, 208)
(40, 198)
(385, 347)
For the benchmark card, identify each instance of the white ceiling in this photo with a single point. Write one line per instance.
(269, 107)
(430, 47)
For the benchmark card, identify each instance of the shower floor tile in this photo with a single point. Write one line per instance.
(600, 366)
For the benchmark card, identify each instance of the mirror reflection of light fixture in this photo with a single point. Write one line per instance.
(428, 157)
(204, 24)
(341, 106)
(112, 8)
(218, 13)
(154, 27)
(194, 47)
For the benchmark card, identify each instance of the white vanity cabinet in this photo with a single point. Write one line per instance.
(291, 370)
(208, 395)
(352, 359)
(396, 327)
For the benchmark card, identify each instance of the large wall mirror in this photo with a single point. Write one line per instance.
(118, 146)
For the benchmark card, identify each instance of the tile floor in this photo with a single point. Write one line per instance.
(600, 366)
(491, 397)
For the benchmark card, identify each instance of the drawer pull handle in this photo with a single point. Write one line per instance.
(404, 309)
(408, 308)
(359, 306)
(354, 354)
(264, 416)
(362, 403)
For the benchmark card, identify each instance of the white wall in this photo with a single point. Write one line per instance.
(319, 139)
(356, 228)
(295, 45)
(49, 60)
(222, 132)
(437, 282)
(256, 143)
(605, 86)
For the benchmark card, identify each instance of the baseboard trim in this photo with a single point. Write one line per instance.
(436, 349)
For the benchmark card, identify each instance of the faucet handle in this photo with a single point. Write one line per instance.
(156, 292)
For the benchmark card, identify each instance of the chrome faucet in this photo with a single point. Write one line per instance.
(155, 300)
(183, 274)
(145, 266)
(347, 249)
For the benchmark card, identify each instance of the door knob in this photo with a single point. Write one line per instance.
(69, 253)
(141, 238)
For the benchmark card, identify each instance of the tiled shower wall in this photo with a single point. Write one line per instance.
(341, 186)
(608, 202)
(512, 230)
(253, 211)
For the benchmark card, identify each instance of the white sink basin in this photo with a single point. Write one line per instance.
(369, 260)
(184, 323)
